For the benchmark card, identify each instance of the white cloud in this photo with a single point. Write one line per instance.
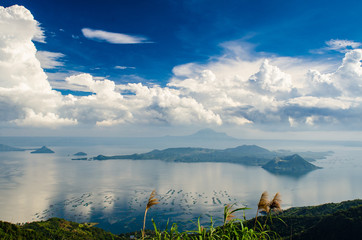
(238, 120)
(338, 45)
(110, 122)
(321, 85)
(310, 120)
(18, 19)
(102, 88)
(348, 77)
(49, 120)
(342, 45)
(319, 102)
(234, 89)
(271, 79)
(292, 122)
(265, 95)
(115, 38)
(123, 67)
(165, 105)
(345, 81)
(25, 93)
(49, 60)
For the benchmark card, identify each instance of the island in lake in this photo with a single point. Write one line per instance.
(288, 165)
(251, 155)
(80, 154)
(43, 149)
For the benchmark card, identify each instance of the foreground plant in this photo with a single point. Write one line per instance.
(274, 206)
(232, 228)
(152, 200)
(263, 205)
(229, 211)
(268, 207)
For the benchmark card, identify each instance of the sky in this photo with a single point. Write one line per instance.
(251, 68)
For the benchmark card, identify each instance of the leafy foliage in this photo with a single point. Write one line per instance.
(310, 222)
(328, 221)
(54, 228)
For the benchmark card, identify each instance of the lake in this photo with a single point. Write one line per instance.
(114, 193)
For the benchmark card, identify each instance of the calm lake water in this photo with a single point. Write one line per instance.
(114, 193)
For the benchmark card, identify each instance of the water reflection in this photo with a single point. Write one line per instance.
(114, 193)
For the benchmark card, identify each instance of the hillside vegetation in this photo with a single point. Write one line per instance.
(328, 221)
(54, 228)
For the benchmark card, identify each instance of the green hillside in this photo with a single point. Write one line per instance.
(54, 228)
(327, 221)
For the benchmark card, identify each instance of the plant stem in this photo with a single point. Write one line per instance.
(144, 225)
(256, 217)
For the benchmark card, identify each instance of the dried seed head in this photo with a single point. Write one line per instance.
(264, 202)
(152, 200)
(275, 204)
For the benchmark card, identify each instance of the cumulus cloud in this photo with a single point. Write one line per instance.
(345, 81)
(271, 79)
(268, 96)
(21, 18)
(273, 92)
(165, 105)
(348, 77)
(110, 37)
(25, 93)
(49, 119)
(102, 88)
(320, 84)
(154, 104)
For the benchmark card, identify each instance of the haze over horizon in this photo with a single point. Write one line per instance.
(264, 70)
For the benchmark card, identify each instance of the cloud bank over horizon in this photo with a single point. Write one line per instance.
(240, 88)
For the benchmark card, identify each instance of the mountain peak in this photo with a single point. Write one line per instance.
(43, 149)
(210, 133)
(290, 165)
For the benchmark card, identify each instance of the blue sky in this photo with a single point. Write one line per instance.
(286, 58)
(185, 31)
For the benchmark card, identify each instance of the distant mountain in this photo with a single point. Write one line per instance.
(43, 149)
(6, 148)
(308, 155)
(203, 136)
(293, 164)
(250, 151)
(210, 134)
(246, 154)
